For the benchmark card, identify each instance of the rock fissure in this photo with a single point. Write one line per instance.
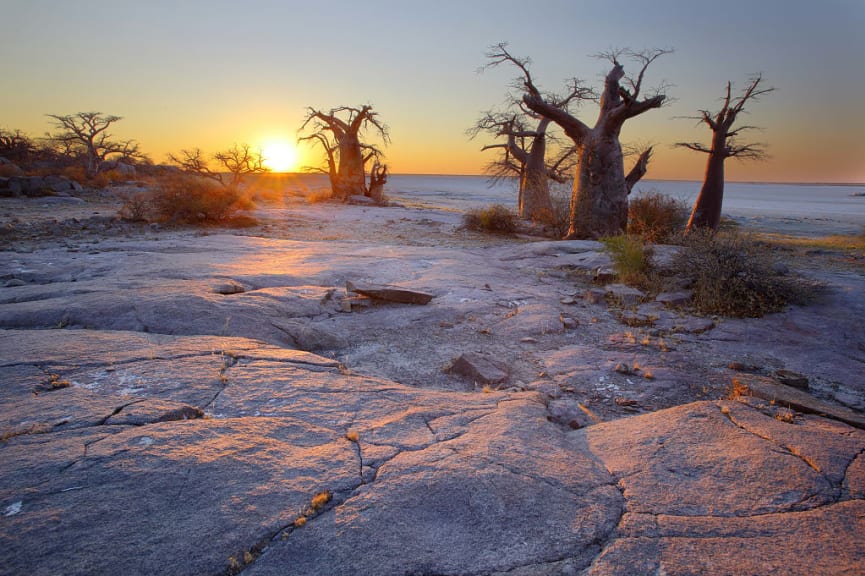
(117, 411)
(782, 449)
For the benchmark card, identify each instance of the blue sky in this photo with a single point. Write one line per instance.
(211, 73)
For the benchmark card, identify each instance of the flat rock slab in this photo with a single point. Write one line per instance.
(794, 398)
(389, 293)
(119, 472)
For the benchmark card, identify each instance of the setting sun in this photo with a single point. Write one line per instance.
(280, 156)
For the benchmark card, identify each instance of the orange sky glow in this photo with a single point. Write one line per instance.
(209, 74)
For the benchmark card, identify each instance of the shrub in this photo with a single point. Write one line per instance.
(137, 207)
(631, 258)
(733, 275)
(186, 199)
(7, 170)
(558, 219)
(657, 218)
(496, 218)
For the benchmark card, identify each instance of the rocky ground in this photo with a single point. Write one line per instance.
(216, 401)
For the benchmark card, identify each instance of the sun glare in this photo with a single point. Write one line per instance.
(280, 156)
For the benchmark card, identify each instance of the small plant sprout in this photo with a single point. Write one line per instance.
(648, 375)
(320, 500)
(300, 522)
(352, 436)
(784, 415)
(486, 389)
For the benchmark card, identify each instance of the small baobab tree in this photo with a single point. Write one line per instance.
(523, 154)
(725, 144)
(86, 135)
(599, 202)
(234, 164)
(339, 132)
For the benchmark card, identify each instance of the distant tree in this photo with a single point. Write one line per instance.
(599, 202)
(339, 133)
(85, 135)
(16, 146)
(234, 164)
(725, 144)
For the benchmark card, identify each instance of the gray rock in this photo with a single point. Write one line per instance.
(675, 299)
(389, 293)
(57, 183)
(568, 413)
(229, 287)
(625, 295)
(594, 295)
(687, 324)
(790, 378)
(768, 389)
(479, 367)
(309, 336)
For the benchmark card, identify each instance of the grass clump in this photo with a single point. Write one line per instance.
(733, 275)
(319, 196)
(657, 218)
(632, 259)
(496, 218)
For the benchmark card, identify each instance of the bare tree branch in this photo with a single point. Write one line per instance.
(88, 133)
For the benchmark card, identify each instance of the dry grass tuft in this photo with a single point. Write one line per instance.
(497, 219)
(657, 218)
(319, 196)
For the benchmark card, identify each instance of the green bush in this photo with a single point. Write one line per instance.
(496, 218)
(632, 259)
(733, 275)
(657, 218)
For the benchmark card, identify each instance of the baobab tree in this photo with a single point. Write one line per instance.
(524, 154)
(339, 133)
(707, 208)
(599, 202)
(86, 134)
(236, 162)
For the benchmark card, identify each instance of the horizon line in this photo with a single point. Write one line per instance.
(788, 183)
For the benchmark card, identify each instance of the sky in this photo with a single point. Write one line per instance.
(211, 73)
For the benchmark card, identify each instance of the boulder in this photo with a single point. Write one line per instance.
(479, 367)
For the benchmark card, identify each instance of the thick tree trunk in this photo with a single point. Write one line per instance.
(351, 180)
(535, 203)
(707, 208)
(599, 204)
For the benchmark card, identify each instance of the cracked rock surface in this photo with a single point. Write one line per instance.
(152, 425)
